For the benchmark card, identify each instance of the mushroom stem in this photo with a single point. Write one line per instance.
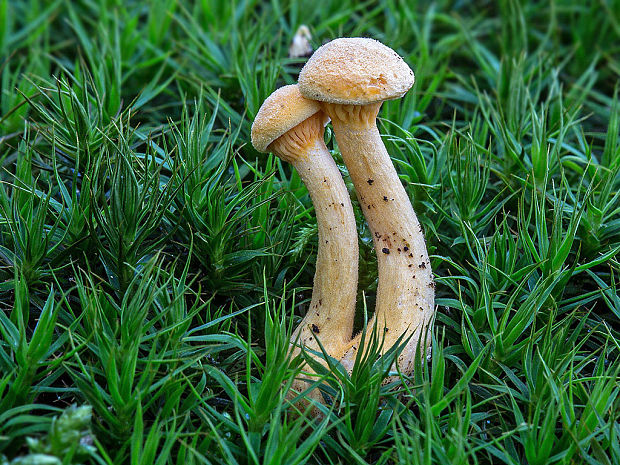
(332, 308)
(292, 127)
(405, 293)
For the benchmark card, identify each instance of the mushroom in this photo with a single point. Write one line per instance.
(300, 46)
(351, 77)
(292, 128)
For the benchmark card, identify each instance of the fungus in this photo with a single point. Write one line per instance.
(351, 77)
(300, 46)
(292, 128)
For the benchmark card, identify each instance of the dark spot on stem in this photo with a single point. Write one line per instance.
(385, 250)
(315, 329)
(370, 181)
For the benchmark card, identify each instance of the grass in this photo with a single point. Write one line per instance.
(153, 265)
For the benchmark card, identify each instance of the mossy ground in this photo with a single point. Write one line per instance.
(152, 263)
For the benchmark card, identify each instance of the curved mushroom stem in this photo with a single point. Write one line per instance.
(405, 294)
(332, 308)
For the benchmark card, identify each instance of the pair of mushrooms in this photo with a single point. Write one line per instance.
(346, 81)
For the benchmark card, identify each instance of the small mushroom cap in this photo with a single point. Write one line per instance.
(279, 113)
(355, 71)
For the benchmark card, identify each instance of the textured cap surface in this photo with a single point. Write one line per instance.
(280, 112)
(355, 71)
